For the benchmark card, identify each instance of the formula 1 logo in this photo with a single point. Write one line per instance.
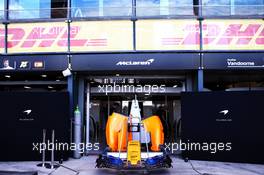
(135, 63)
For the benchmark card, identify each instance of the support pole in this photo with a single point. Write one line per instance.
(52, 164)
(200, 76)
(200, 80)
(88, 95)
(43, 162)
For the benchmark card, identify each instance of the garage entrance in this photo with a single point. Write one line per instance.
(156, 95)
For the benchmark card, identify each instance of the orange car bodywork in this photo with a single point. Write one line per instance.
(117, 134)
(154, 126)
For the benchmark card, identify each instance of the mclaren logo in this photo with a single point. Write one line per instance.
(27, 111)
(135, 63)
(26, 116)
(224, 116)
(224, 112)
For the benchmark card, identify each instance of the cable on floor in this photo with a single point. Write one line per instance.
(194, 169)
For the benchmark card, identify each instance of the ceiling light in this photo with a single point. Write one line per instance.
(131, 81)
(43, 76)
(8, 76)
(27, 87)
(50, 87)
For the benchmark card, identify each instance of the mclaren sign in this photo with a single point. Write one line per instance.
(135, 63)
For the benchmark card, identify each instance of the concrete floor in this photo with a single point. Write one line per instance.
(86, 167)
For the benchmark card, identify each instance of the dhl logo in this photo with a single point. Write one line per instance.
(232, 34)
(237, 33)
(44, 37)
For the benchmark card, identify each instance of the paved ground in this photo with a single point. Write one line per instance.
(86, 167)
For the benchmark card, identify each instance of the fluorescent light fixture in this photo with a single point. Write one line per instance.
(131, 80)
(8, 76)
(43, 76)
(147, 103)
(125, 103)
(27, 87)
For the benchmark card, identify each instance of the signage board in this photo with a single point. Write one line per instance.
(33, 63)
(136, 61)
(233, 61)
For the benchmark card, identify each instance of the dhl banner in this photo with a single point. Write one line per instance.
(37, 37)
(233, 34)
(150, 35)
(167, 34)
(2, 38)
(185, 34)
(84, 36)
(102, 36)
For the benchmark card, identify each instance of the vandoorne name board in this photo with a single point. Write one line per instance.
(218, 61)
(117, 35)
